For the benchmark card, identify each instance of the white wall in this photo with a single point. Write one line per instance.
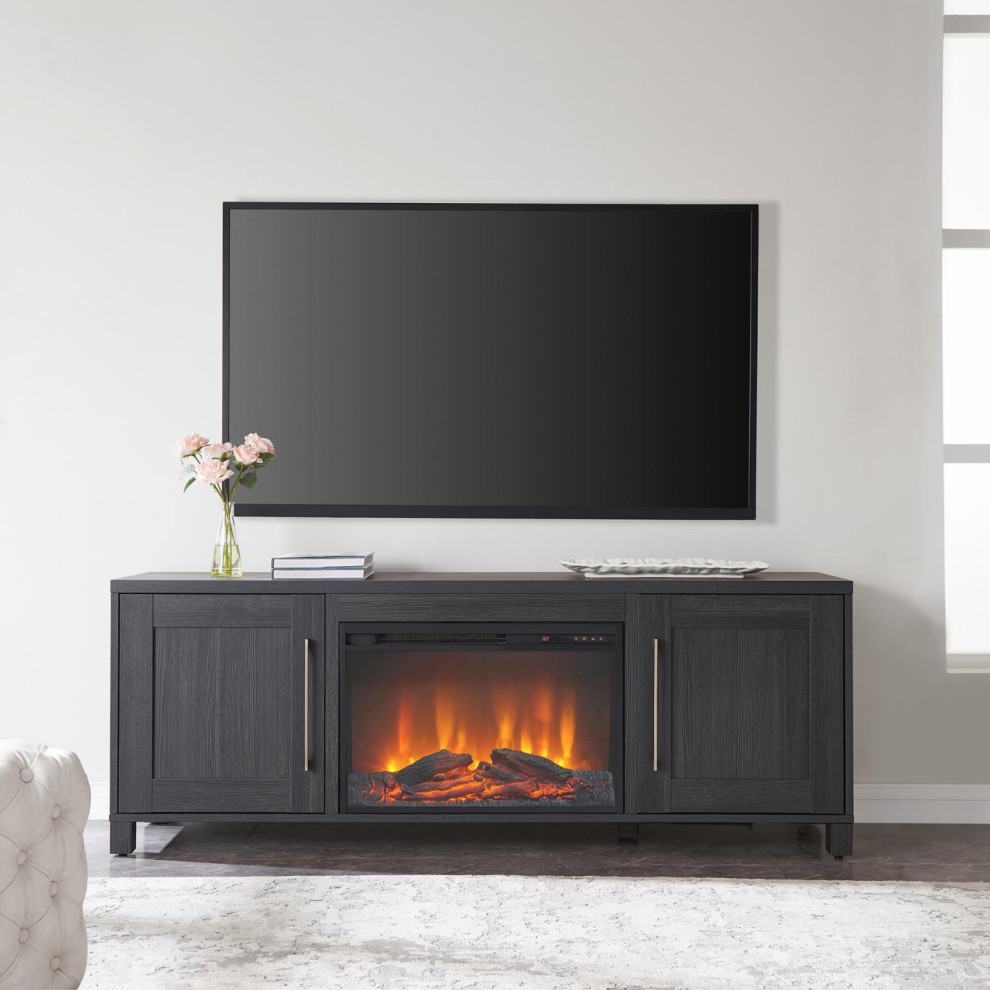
(124, 125)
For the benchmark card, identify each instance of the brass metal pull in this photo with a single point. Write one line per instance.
(306, 707)
(656, 705)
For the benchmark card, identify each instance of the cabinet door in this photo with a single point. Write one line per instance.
(220, 704)
(748, 704)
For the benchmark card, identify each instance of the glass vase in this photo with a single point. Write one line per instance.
(226, 551)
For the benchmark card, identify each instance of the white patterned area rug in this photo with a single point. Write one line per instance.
(534, 933)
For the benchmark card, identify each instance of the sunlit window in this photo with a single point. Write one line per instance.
(966, 332)
(966, 345)
(966, 132)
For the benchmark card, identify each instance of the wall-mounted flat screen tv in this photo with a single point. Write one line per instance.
(486, 360)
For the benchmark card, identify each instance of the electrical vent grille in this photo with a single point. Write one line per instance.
(467, 638)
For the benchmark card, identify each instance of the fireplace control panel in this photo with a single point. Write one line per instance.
(560, 639)
(526, 638)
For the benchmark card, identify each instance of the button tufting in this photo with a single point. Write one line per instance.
(34, 782)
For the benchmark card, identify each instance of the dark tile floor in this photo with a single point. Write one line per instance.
(765, 851)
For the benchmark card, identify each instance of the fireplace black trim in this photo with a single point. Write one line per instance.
(615, 648)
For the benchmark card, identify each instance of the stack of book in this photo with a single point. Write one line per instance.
(345, 566)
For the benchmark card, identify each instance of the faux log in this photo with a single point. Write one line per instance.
(513, 779)
(529, 765)
(462, 789)
(491, 772)
(428, 767)
(375, 791)
(442, 785)
(588, 788)
(511, 790)
(451, 774)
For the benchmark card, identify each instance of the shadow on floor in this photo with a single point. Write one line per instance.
(763, 851)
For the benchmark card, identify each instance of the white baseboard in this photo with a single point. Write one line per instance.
(964, 804)
(99, 809)
(957, 804)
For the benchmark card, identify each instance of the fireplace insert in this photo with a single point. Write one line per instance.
(481, 717)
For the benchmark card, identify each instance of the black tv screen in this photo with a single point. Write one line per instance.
(494, 360)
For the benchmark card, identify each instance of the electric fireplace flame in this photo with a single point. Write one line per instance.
(513, 729)
(542, 724)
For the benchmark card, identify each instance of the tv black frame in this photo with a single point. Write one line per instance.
(508, 511)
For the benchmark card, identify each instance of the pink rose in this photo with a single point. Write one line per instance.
(245, 454)
(261, 444)
(218, 449)
(189, 445)
(213, 472)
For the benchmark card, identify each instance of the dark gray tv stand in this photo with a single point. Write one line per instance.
(226, 693)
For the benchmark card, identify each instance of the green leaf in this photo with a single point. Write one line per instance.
(185, 487)
(188, 469)
(249, 479)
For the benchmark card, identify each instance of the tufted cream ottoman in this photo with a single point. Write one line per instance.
(44, 804)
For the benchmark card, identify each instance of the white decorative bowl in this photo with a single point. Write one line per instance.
(663, 567)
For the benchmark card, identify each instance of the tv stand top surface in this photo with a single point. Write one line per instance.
(481, 582)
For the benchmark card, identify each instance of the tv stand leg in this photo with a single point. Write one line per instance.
(628, 832)
(839, 839)
(123, 838)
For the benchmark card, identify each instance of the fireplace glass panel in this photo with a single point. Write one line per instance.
(483, 729)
